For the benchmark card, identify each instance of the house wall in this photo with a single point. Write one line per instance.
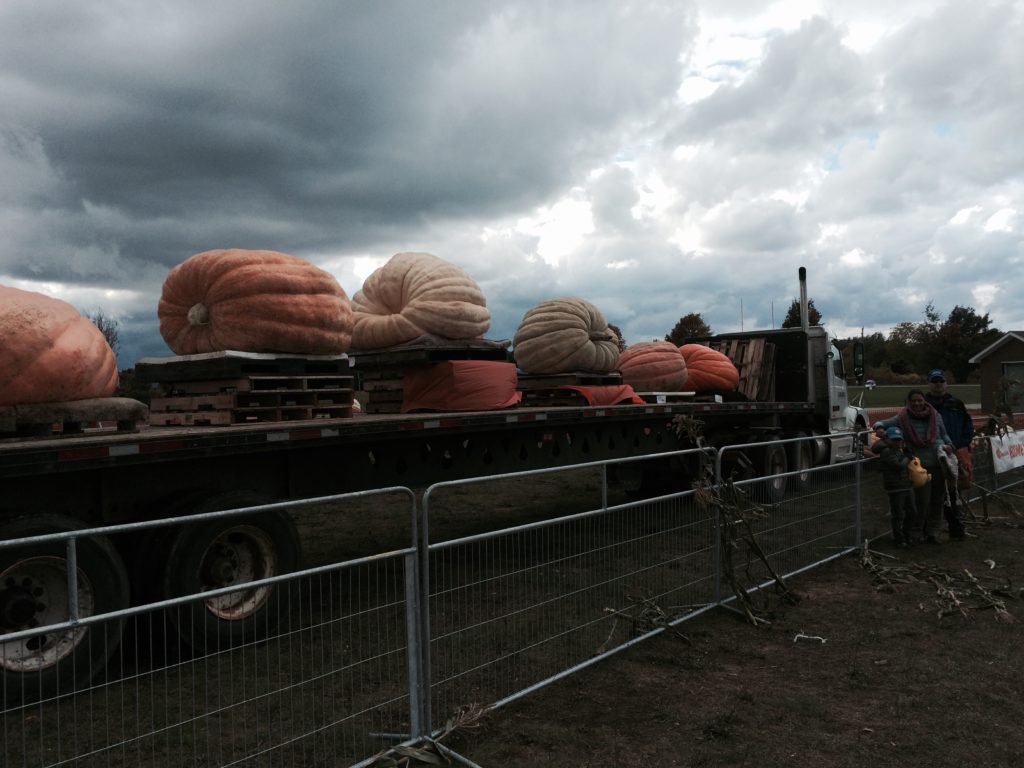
(991, 370)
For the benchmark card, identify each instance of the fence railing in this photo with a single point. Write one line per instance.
(361, 654)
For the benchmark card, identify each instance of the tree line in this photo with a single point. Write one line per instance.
(905, 354)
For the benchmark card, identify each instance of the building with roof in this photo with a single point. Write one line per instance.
(1001, 365)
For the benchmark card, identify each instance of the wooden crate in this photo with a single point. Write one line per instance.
(755, 361)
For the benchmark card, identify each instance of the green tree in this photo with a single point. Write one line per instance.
(618, 335)
(963, 334)
(793, 314)
(691, 326)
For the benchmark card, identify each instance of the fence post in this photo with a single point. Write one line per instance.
(857, 522)
(717, 559)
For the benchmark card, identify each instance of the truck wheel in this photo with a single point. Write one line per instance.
(34, 593)
(224, 552)
(801, 459)
(774, 463)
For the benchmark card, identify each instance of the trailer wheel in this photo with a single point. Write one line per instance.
(34, 593)
(223, 552)
(801, 459)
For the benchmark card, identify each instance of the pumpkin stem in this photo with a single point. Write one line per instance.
(198, 315)
(600, 336)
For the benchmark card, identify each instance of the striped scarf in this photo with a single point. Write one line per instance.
(910, 434)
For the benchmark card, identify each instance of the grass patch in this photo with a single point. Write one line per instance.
(893, 396)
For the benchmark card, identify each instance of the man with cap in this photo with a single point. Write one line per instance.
(895, 457)
(960, 429)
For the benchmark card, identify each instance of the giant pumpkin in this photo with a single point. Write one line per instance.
(253, 301)
(709, 369)
(49, 352)
(653, 366)
(562, 335)
(415, 294)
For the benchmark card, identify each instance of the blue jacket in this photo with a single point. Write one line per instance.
(956, 419)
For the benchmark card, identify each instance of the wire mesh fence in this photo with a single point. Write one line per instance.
(317, 674)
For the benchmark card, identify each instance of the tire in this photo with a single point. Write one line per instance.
(801, 459)
(773, 462)
(222, 552)
(34, 593)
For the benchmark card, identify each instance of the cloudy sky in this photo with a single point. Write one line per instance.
(656, 158)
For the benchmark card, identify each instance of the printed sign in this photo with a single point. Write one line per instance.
(1008, 451)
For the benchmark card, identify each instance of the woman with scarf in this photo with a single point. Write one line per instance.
(925, 435)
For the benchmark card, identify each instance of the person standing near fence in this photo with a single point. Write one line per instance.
(925, 435)
(960, 428)
(895, 456)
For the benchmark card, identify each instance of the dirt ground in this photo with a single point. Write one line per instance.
(897, 659)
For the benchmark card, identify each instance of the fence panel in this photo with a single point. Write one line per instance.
(512, 609)
(322, 679)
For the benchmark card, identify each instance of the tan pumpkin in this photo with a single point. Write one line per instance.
(653, 366)
(709, 369)
(253, 301)
(49, 352)
(415, 294)
(562, 335)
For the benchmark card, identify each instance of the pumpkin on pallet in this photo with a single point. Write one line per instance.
(653, 366)
(417, 294)
(49, 352)
(709, 369)
(253, 301)
(562, 335)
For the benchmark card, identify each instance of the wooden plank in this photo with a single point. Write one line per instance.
(231, 416)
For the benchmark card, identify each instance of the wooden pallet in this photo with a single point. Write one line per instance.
(72, 418)
(235, 365)
(553, 398)
(667, 397)
(262, 384)
(528, 381)
(224, 417)
(755, 361)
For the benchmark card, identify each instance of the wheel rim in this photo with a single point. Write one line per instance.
(34, 593)
(239, 555)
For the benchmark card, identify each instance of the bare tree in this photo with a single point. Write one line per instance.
(109, 327)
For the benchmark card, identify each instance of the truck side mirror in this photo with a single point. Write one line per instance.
(858, 361)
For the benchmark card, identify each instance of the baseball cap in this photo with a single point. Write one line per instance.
(936, 373)
(894, 433)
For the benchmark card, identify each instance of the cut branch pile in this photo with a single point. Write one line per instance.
(956, 592)
(433, 751)
(735, 512)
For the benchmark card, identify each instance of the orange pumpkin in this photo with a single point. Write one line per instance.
(709, 369)
(653, 366)
(253, 301)
(50, 353)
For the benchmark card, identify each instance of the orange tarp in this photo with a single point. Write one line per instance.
(614, 395)
(460, 385)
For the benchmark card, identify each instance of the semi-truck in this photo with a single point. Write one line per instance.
(140, 472)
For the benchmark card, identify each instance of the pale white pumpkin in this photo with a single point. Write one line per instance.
(565, 334)
(416, 294)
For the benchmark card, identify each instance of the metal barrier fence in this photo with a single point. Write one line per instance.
(368, 652)
(510, 611)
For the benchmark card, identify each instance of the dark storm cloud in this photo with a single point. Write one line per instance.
(165, 130)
